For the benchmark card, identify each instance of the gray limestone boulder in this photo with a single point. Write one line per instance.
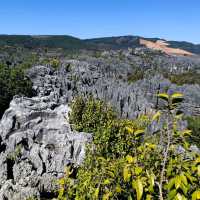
(37, 143)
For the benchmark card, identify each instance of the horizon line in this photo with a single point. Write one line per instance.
(97, 37)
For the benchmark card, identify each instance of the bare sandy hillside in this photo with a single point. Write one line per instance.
(163, 46)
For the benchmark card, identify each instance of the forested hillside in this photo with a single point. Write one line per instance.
(72, 43)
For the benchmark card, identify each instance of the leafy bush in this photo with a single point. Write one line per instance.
(95, 116)
(12, 82)
(54, 63)
(122, 164)
(89, 115)
(184, 78)
(194, 125)
(137, 75)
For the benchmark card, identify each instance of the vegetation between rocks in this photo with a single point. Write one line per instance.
(123, 163)
(13, 81)
(190, 77)
(194, 125)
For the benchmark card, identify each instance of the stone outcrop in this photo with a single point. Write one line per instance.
(37, 143)
(109, 83)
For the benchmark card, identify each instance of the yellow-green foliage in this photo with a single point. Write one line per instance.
(54, 63)
(135, 76)
(12, 82)
(194, 125)
(89, 115)
(122, 164)
(16, 153)
(190, 77)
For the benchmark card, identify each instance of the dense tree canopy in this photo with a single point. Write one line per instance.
(12, 82)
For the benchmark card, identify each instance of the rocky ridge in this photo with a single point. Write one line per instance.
(37, 141)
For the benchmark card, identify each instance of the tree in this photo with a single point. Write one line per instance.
(12, 82)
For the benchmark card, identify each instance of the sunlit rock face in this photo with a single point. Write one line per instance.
(37, 143)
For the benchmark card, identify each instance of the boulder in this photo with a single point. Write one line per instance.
(37, 143)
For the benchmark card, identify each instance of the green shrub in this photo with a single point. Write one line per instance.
(12, 82)
(194, 125)
(122, 164)
(89, 115)
(55, 63)
(184, 78)
(135, 76)
(15, 154)
(95, 116)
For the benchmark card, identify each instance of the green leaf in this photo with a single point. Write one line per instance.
(130, 159)
(177, 182)
(106, 182)
(126, 174)
(197, 161)
(129, 129)
(196, 195)
(156, 116)
(111, 174)
(130, 197)
(138, 170)
(179, 116)
(106, 196)
(198, 170)
(151, 146)
(138, 132)
(184, 188)
(164, 96)
(171, 183)
(169, 170)
(118, 189)
(179, 197)
(183, 178)
(151, 179)
(96, 193)
(137, 185)
(172, 194)
(187, 132)
(149, 197)
(189, 177)
(177, 96)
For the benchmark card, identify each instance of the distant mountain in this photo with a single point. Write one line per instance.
(106, 43)
(135, 41)
(193, 48)
(27, 41)
(164, 46)
(122, 42)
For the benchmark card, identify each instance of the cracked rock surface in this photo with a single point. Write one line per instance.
(36, 145)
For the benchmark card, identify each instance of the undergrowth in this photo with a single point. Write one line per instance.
(122, 164)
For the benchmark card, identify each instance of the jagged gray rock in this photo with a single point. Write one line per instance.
(109, 83)
(37, 143)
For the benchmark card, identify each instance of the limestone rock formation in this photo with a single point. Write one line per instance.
(36, 139)
(37, 143)
(109, 83)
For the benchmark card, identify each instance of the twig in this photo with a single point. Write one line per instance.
(166, 151)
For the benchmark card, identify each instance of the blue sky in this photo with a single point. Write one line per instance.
(169, 19)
